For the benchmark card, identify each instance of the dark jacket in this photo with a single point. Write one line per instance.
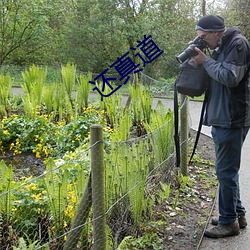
(228, 103)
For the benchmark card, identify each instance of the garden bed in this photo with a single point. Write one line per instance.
(178, 222)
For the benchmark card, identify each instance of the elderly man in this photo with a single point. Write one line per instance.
(228, 112)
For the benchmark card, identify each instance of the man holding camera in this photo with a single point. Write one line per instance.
(228, 112)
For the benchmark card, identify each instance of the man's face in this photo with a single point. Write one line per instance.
(211, 38)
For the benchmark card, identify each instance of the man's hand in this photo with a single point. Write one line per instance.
(200, 58)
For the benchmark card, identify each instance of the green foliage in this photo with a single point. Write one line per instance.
(57, 188)
(113, 107)
(68, 74)
(141, 104)
(83, 91)
(43, 137)
(23, 25)
(92, 34)
(164, 191)
(33, 85)
(161, 126)
(6, 184)
(48, 98)
(29, 245)
(147, 241)
(5, 90)
(126, 172)
(30, 206)
(122, 125)
(127, 160)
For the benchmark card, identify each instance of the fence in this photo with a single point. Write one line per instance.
(64, 207)
(98, 199)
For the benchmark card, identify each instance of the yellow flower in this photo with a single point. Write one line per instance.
(45, 151)
(38, 156)
(31, 187)
(14, 209)
(6, 132)
(73, 199)
(37, 196)
(69, 211)
(17, 152)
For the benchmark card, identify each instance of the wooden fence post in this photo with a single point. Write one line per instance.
(98, 195)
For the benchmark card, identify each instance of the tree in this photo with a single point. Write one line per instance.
(20, 22)
(103, 30)
(237, 13)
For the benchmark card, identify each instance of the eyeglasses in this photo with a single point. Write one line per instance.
(203, 36)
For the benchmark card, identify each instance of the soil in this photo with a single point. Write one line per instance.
(25, 164)
(186, 223)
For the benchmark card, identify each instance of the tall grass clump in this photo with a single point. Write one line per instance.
(161, 130)
(68, 74)
(5, 90)
(83, 91)
(34, 80)
(141, 106)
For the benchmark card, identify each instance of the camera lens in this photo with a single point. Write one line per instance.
(187, 53)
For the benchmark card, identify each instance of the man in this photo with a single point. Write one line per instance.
(228, 112)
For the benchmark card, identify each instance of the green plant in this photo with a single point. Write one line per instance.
(126, 172)
(68, 74)
(164, 191)
(56, 187)
(147, 241)
(33, 85)
(161, 126)
(28, 245)
(30, 208)
(176, 199)
(48, 98)
(6, 196)
(184, 181)
(83, 91)
(5, 90)
(123, 128)
(43, 137)
(141, 104)
(113, 107)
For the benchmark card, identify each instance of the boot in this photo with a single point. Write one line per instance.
(241, 219)
(221, 231)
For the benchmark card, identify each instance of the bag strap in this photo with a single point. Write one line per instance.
(199, 127)
(176, 126)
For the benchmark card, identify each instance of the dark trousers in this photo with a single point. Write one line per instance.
(228, 145)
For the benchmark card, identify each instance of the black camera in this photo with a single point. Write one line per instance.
(190, 51)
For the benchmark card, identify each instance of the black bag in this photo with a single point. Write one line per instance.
(192, 80)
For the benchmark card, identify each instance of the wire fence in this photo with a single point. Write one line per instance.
(41, 211)
(57, 209)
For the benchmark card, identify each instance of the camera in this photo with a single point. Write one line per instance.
(190, 51)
